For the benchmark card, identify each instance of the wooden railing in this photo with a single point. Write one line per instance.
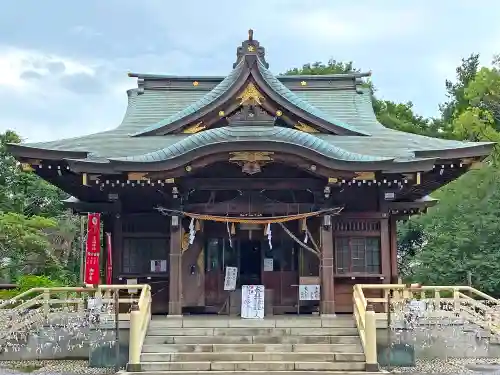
(364, 315)
(140, 316)
(32, 309)
(440, 302)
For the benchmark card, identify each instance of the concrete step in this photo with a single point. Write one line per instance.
(244, 339)
(256, 357)
(304, 331)
(252, 366)
(254, 348)
(220, 322)
(244, 372)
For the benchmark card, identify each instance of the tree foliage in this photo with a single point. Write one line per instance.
(37, 236)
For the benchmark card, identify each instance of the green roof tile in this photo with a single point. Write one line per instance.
(200, 103)
(252, 134)
(300, 102)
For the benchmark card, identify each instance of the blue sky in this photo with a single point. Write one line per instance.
(63, 64)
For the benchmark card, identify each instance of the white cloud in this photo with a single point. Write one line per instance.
(355, 24)
(14, 62)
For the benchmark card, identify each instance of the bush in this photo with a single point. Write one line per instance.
(27, 282)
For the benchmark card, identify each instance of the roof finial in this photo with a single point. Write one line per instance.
(250, 34)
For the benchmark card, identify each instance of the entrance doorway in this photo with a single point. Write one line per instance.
(250, 262)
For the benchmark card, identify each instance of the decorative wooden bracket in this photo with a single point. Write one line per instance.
(251, 162)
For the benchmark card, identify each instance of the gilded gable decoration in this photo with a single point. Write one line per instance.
(194, 128)
(251, 162)
(251, 95)
(305, 128)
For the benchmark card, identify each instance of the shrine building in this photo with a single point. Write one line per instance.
(290, 179)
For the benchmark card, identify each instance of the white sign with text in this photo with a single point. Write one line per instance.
(230, 278)
(309, 292)
(252, 301)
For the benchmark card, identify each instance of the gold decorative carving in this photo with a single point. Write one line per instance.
(305, 128)
(84, 179)
(137, 176)
(196, 83)
(251, 162)
(279, 113)
(194, 128)
(251, 48)
(222, 113)
(332, 180)
(26, 167)
(185, 242)
(303, 83)
(364, 176)
(251, 95)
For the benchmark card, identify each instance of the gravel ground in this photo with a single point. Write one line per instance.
(436, 366)
(453, 366)
(50, 368)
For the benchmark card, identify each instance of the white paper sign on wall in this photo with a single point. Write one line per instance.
(252, 301)
(230, 278)
(309, 292)
(268, 264)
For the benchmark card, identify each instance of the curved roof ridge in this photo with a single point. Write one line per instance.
(208, 98)
(235, 134)
(302, 104)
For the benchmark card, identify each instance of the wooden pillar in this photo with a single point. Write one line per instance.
(385, 250)
(327, 271)
(117, 241)
(175, 279)
(107, 226)
(393, 237)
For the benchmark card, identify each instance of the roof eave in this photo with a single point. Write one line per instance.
(474, 150)
(21, 151)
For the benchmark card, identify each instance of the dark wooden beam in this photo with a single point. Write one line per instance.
(251, 209)
(252, 183)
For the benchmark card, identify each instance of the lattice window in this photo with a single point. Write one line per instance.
(357, 255)
(146, 223)
(139, 252)
(357, 226)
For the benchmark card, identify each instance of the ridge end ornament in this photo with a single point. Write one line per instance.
(250, 95)
(251, 162)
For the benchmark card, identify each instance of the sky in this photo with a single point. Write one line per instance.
(64, 64)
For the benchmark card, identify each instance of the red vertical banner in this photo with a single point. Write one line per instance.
(109, 263)
(93, 249)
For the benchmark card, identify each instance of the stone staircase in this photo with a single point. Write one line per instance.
(276, 345)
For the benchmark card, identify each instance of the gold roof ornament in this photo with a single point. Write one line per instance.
(305, 128)
(222, 113)
(303, 83)
(250, 95)
(251, 48)
(194, 128)
(251, 162)
(196, 83)
(279, 113)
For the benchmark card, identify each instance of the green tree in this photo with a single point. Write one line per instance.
(460, 234)
(457, 99)
(37, 235)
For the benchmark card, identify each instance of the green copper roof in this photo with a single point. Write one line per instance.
(246, 134)
(291, 97)
(346, 105)
(210, 97)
